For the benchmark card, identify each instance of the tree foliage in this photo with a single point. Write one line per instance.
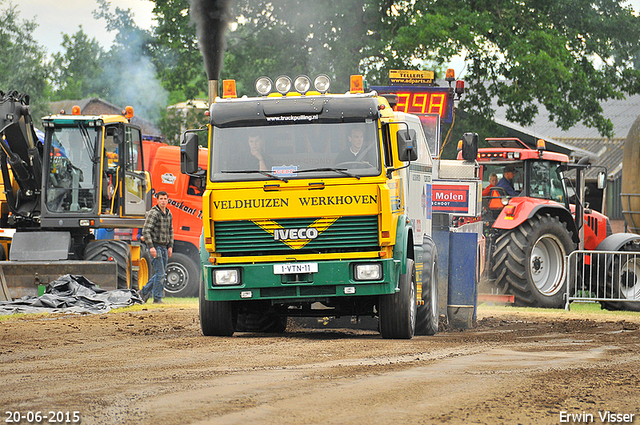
(175, 51)
(77, 70)
(567, 55)
(22, 64)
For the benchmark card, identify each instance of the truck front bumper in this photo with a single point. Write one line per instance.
(333, 278)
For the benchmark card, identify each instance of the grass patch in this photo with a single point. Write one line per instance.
(577, 310)
(169, 302)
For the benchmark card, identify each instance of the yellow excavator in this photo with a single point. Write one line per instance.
(86, 174)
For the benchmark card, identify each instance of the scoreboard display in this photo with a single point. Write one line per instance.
(422, 100)
(422, 103)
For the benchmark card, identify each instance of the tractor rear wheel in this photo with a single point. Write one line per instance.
(140, 277)
(530, 261)
(623, 280)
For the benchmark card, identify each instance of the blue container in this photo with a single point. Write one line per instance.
(463, 279)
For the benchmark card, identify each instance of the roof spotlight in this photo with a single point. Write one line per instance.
(302, 84)
(264, 85)
(322, 83)
(283, 84)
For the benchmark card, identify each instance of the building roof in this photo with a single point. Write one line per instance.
(609, 153)
(584, 141)
(622, 113)
(97, 106)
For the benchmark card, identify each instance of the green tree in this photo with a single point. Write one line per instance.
(175, 51)
(76, 71)
(293, 37)
(271, 38)
(568, 55)
(22, 64)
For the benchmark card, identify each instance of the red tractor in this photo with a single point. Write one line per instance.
(531, 226)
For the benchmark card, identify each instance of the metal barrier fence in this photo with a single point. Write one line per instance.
(612, 278)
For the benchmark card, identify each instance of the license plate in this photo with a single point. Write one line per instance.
(295, 268)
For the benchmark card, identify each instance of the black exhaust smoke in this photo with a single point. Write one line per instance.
(211, 18)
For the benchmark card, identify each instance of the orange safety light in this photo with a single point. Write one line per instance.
(357, 84)
(451, 75)
(541, 144)
(459, 145)
(229, 89)
(75, 110)
(128, 112)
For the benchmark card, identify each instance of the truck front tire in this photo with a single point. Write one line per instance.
(217, 318)
(397, 312)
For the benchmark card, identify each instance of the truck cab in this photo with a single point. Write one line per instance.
(315, 205)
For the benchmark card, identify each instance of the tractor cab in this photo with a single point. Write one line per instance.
(511, 169)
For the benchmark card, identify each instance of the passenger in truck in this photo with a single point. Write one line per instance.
(195, 186)
(357, 151)
(257, 158)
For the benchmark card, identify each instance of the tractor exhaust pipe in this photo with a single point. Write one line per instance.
(213, 91)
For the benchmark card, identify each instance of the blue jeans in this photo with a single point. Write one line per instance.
(155, 285)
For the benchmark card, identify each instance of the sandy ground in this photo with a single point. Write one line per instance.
(153, 366)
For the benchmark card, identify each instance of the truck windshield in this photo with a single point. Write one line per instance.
(295, 151)
(71, 182)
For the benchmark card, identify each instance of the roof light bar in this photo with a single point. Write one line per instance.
(322, 83)
(283, 84)
(264, 85)
(302, 84)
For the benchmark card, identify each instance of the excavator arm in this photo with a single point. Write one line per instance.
(20, 156)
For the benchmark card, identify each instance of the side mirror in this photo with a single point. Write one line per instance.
(407, 145)
(470, 146)
(602, 180)
(189, 153)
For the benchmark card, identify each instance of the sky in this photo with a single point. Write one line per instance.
(55, 17)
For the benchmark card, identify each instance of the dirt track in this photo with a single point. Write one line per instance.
(154, 367)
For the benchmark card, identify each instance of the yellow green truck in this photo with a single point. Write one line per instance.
(316, 205)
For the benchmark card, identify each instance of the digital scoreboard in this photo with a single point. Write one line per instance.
(422, 100)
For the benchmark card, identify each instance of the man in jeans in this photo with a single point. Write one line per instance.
(158, 235)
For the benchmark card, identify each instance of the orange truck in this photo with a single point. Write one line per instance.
(185, 203)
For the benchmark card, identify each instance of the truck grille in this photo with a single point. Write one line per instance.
(359, 233)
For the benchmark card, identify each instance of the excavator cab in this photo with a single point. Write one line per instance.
(94, 169)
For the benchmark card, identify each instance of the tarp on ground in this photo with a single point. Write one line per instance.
(72, 294)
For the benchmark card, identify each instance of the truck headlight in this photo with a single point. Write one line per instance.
(368, 271)
(226, 277)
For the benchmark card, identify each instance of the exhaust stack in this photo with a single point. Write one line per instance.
(213, 91)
